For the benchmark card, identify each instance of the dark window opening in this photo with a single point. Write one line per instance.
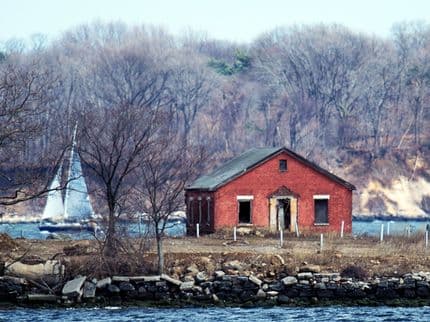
(283, 165)
(200, 210)
(191, 207)
(321, 211)
(245, 212)
(208, 200)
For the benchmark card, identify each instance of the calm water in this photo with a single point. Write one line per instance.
(400, 227)
(371, 228)
(334, 313)
(31, 231)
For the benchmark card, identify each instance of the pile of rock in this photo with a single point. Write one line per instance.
(225, 286)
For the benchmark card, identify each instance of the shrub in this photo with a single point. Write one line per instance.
(354, 271)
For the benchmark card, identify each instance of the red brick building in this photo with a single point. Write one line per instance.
(273, 188)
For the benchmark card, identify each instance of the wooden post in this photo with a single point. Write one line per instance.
(409, 231)
(388, 228)
(381, 237)
(321, 242)
(427, 238)
(198, 230)
(297, 229)
(234, 233)
(281, 237)
(342, 226)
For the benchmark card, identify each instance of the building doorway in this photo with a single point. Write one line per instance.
(283, 210)
(284, 214)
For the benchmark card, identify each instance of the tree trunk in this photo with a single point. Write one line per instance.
(110, 245)
(160, 252)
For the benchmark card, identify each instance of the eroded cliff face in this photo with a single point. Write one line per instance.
(403, 197)
(395, 187)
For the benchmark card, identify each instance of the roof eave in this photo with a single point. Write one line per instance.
(296, 156)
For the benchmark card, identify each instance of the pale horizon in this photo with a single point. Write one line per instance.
(237, 21)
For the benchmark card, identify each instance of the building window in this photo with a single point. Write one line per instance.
(200, 209)
(191, 209)
(321, 211)
(244, 211)
(283, 165)
(208, 200)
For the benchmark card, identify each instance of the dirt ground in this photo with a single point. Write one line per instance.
(394, 256)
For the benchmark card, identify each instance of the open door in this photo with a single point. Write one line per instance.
(283, 213)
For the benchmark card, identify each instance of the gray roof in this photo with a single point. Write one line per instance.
(239, 165)
(232, 168)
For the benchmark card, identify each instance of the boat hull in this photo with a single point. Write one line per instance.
(72, 227)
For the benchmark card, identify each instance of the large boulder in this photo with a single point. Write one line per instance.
(192, 269)
(171, 280)
(73, 288)
(208, 264)
(201, 277)
(51, 272)
(233, 265)
(126, 287)
(89, 290)
(255, 280)
(243, 231)
(277, 260)
(219, 274)
(289, 280)
(310, 268)
(186, 286)
(103, 283)
(11, 287)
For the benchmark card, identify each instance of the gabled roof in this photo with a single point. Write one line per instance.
(248, 160)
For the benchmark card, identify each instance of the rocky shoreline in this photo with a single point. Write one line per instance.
(308, 287)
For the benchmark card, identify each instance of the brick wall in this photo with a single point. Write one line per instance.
(301, 179)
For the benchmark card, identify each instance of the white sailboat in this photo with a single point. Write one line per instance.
(76, 213)
(54, 209)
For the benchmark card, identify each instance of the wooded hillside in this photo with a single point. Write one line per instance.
(355, 104)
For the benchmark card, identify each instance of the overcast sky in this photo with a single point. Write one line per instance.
(236, 20)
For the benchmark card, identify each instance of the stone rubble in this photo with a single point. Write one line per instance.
(303, 288)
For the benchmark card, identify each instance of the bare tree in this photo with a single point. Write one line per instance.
(163, 174)
(190, 87)
(24, 89)
(112, 144)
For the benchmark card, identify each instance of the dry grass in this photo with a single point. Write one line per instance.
(394, 256)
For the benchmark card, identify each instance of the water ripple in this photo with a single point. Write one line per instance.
(321, 314)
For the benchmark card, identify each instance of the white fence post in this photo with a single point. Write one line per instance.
(342, 226)
(321, 242)
(388, 228)
(234, 233)
(297, 229)
(381, 238)
(281, 238)
(198, 230)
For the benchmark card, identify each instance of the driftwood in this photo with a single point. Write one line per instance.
(42, 298)
(51, 272)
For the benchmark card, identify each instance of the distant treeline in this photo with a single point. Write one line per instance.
(316, 89)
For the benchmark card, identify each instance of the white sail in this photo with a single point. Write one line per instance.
(54, 208)
(77, 204)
